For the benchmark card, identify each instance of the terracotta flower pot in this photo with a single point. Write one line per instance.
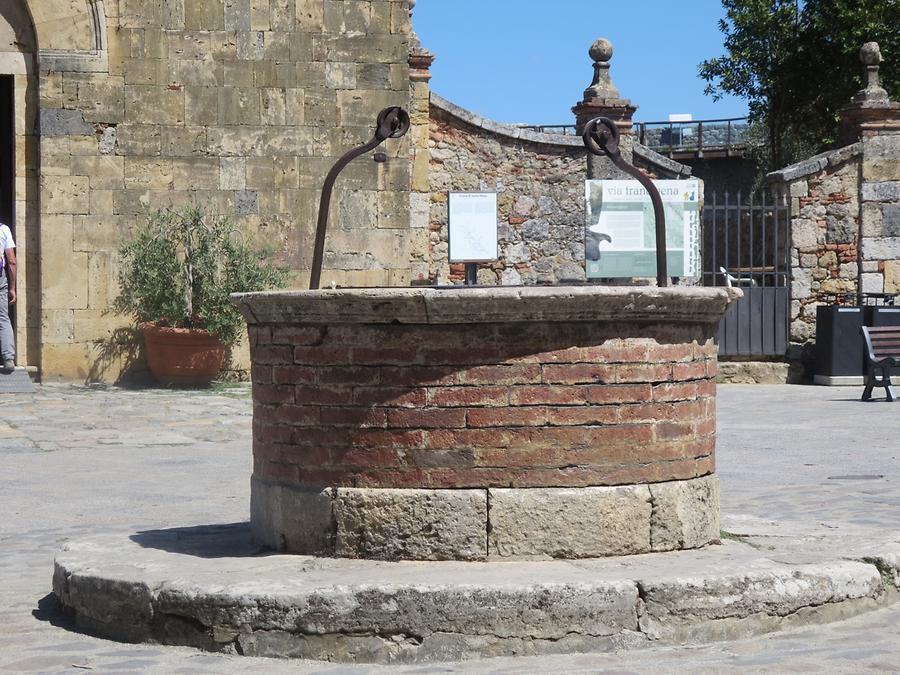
(184, 356)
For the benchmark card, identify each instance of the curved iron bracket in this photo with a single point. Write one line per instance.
(601, 137)
(392, 122)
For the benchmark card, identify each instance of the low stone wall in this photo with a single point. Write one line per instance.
(428, 423)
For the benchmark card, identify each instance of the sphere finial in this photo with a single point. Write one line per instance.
(601, 50)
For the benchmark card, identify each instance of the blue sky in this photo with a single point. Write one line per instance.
(526, 60)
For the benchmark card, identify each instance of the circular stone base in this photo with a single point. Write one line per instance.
(207, 587)
(486, 524)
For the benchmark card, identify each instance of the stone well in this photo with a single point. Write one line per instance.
(487, 423)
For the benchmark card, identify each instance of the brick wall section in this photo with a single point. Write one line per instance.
(517, 405)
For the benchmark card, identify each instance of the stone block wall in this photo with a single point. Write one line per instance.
(539, 180)
(845, 226)
(823, 194)
(880, 196)
(241, 107)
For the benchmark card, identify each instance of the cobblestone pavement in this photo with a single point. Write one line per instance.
(806, 471)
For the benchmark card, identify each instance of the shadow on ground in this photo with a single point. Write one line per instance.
(51, 611)
(230, 540)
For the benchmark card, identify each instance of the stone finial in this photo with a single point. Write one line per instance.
(602, 97)
(871, 111)
(870, 55)
(602, 86)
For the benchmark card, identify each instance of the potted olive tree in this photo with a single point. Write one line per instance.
(176, 274)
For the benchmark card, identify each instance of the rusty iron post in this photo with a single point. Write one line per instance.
(601, 137)
(392, 122)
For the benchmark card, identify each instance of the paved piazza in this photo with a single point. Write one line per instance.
(807, 472)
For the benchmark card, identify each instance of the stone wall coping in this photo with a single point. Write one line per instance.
(815, 164)
(513, 132)
(495, 304)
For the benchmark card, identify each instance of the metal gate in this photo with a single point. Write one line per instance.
(745, 244)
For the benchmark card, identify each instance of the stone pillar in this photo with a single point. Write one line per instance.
(873, 120)
(420, 60)
(601, 99)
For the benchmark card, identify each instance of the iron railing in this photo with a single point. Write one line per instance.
(728, 134)
(699, 136)
(746, 243)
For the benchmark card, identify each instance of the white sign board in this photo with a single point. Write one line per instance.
(621, 232)
(473, 226)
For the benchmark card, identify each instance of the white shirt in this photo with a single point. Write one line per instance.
(6, 242)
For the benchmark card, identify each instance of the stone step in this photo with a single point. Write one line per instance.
(208, 587)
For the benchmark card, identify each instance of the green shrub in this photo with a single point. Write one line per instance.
(180, 268)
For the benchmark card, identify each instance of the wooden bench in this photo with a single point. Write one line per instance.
(882, 354)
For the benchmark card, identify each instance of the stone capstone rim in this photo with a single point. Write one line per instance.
(506, 304)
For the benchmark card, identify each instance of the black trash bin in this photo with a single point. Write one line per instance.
(839, 345)
(881, 309)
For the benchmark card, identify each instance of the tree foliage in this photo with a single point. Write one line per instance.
(797, 63)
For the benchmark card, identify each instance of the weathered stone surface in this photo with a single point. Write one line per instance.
(59, 122)
(884, 191)
(872, 282)
(892, 276)
(685, 513)
(207, 588)
(755, 372)
(890, 223)
(391, 524)
(291, 519)
(478, 305)
(670, 602)
(881, 248)
(575, 523)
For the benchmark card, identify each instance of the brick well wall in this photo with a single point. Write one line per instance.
(517, 405)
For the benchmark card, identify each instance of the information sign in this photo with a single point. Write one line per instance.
(620, 237)
(473, 226)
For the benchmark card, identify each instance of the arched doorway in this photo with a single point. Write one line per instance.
(19, 160)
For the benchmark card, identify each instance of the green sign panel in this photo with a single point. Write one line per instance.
(620, 237)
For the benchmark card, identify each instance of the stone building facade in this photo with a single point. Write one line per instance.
(845, 210)
(240, 106)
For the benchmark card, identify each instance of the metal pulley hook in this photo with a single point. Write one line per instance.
(392, 122)
(601, 137)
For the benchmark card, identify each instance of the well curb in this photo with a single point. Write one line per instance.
(207, 587)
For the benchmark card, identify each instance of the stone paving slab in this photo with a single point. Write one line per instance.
(16, 382)
(780, 450)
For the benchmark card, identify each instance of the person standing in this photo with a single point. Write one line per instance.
(7, 292)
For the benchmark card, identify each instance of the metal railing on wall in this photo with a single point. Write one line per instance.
(699, 136)
(723, 135)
